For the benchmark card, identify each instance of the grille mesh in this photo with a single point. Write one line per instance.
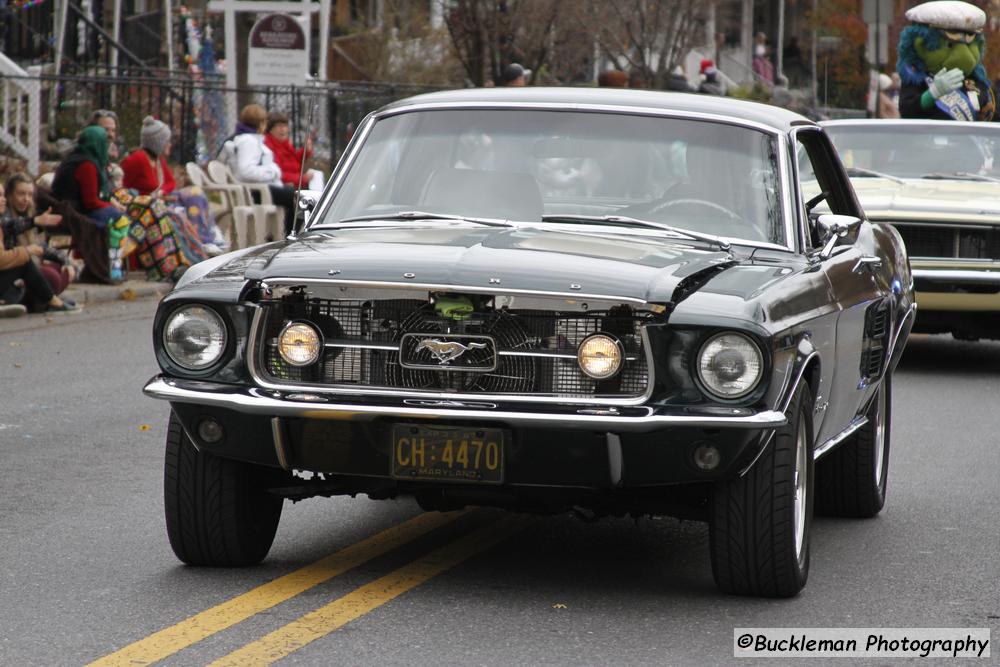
(355, 329)
(926, 240)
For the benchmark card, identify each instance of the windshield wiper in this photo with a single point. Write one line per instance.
(635, 222)
(960, 176)
(424, 215)
(869, 173)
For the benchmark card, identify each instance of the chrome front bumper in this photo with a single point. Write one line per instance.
(957, 276)
(316, 406)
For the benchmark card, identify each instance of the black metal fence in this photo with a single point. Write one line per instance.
(26, 34)
(199, 109)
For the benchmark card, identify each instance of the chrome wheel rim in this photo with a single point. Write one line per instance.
(879, 436)
(800, 481)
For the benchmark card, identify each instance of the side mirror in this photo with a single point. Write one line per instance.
(831, 228)
(307, 200)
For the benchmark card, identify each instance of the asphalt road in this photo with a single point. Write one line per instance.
(86, 570)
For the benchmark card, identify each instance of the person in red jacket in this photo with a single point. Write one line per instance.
(289, 158)
(146, 169)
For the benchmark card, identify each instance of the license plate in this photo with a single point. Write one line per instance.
(447, 454)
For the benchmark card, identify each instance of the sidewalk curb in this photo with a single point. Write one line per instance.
(84, 293)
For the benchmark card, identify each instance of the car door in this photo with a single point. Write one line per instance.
(855, 275)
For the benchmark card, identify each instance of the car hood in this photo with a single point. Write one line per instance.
(598, 262)
(919, 199)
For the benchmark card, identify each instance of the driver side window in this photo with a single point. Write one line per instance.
(822, 185)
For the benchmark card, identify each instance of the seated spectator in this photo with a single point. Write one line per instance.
(89, 241)
(22, 227)
(21, 279)
(147, 172)
(288, 158)
(109, 121)
(146, 169)
(82, 178)
(251, 161)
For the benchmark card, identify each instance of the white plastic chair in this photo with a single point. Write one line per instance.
(269, 219)
(232, 213)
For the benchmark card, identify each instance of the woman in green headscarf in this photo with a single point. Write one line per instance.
(139, 224)
(82, 179)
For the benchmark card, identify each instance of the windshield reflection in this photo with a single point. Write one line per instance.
(947, 150)
(527, 165)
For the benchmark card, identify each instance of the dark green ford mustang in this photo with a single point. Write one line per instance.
(545, 300)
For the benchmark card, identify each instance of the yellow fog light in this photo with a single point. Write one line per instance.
(600, 356)
(299, 344)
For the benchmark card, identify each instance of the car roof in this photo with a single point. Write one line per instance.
(909, 122)
(774, 117)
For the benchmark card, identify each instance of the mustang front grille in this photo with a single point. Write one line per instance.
(386, 344)
(931, 240)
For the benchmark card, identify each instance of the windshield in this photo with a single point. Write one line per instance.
(917, 151)
(523, 165)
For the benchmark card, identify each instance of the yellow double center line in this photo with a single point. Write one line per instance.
(328, 618)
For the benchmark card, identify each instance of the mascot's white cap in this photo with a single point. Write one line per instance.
(948, 15)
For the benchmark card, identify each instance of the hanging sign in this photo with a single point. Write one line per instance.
(277, 55)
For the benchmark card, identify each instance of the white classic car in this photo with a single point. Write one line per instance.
(938, 184)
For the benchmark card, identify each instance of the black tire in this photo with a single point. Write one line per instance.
(851, 480)
(759, 534)
(218, 511)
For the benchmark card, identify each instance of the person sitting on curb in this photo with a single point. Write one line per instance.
(82, 180)
(109, 121)
(147, 171)
(18, 272)
(20, 222)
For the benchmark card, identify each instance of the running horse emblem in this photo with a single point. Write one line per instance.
(446, 351)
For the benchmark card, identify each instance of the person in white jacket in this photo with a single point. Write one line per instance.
(251, 161)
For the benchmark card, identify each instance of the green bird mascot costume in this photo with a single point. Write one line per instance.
(940, 63)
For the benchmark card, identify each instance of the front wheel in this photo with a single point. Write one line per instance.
(852, 478)
(218, 511)
(759, 532)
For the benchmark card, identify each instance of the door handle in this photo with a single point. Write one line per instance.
(867, 262)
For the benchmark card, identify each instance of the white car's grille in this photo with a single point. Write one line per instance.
(951, 242)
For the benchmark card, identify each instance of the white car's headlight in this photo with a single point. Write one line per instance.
(299, 344)
(600, 356)
(730, 365)
(194, 337)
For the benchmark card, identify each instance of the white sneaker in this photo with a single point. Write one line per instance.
(12, 310)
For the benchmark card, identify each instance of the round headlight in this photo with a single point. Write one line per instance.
(730, 365)
(600, 356)
(194, 337)
(299, 344)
